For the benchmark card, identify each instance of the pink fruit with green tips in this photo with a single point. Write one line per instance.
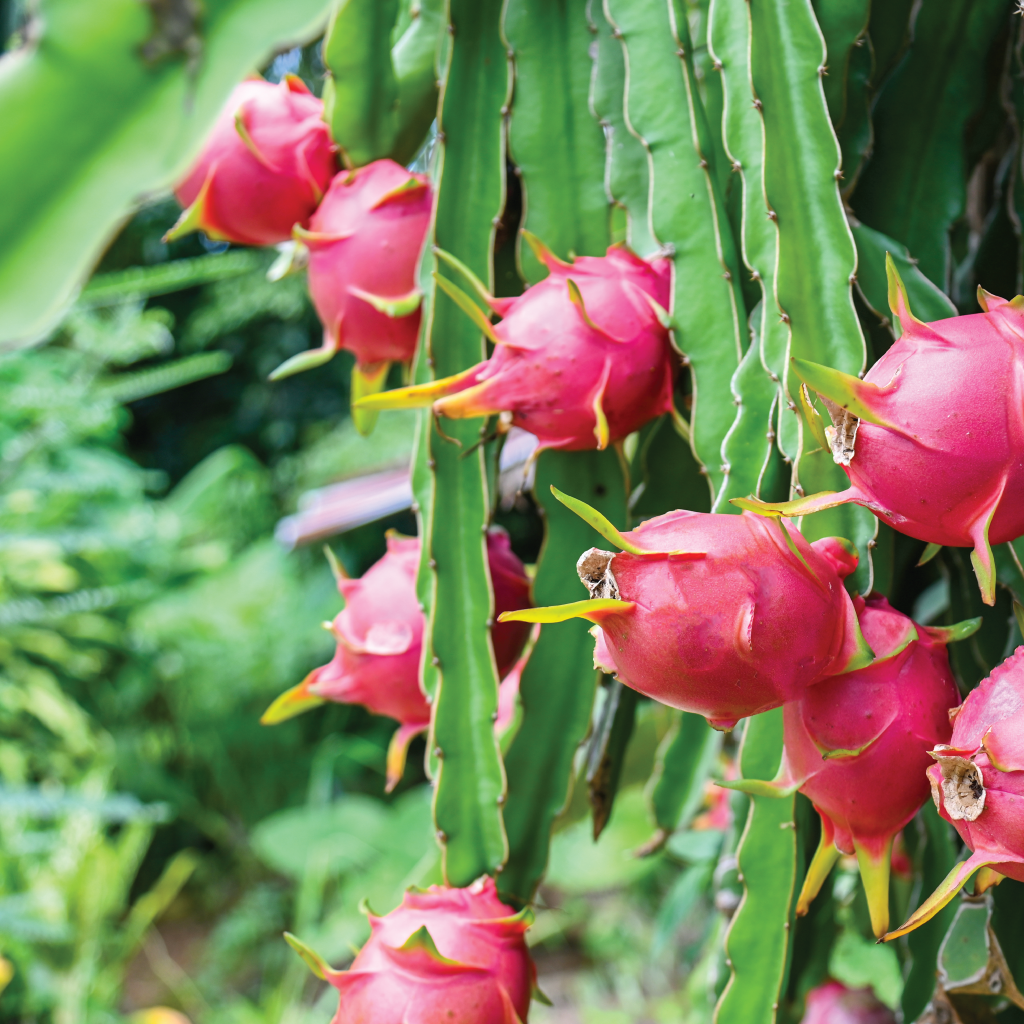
(581, 359)
(264, 168)
(721, 615)
(443, 956)
(364, 243)
(977, 782)
(380, 642)
(931, 438)
(857, 746)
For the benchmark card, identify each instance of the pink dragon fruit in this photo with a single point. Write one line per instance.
(582, 359)
(725, 616)
(857, 746)
(380, 639)
(978, 784)
(265, 166)
(456, 956)
(833, 1003)
(930, 438)
(364, 242)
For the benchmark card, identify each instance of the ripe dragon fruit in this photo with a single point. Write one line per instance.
(857, 746)
(380, 639)
(833, 1003)
(443, 956)
(725, 616)
(264, 168)
(582, 359)
(364, 242)
(930, 438)
(978, 784)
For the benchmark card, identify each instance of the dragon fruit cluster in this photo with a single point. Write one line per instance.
(725, 616)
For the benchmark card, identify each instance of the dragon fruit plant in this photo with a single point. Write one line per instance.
(725, 190)
(977, 784)
(444, 954)
(380, 637)
(264, 168)
(857, 746)
(581, 360)
(724, 616)
(927, 438)
(363, 244)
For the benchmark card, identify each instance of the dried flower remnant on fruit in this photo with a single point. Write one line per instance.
(842, 435)
(961, 793)
(595, 572)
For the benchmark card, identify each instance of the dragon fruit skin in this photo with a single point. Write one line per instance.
(364, 242)
(977, 784)
(858, 746)
(715, 614)
(581, 359)
(443, 956)
(833, 1003)
(380, 640)
(939, 449)
(264, 168)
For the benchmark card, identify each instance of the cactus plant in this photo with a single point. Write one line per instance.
(727, 192)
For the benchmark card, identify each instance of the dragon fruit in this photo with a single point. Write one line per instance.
(266, 165)
(721, 615)
(930, 438)
(364, 242)
(380, 640)
(443, 956)
(581, 359)
(978, 784)
(833, 1003)
(857, 746)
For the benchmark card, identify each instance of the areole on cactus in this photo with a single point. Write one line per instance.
(264, 168)
(380, 639)
(857, 746)
(363, 243)
(977, 784)
(443, 956)
(930, 438)
(581, 359)
(725, 616)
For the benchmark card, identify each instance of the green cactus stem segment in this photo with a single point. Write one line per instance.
(822, 863)
(594, 610)
(950, 886)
